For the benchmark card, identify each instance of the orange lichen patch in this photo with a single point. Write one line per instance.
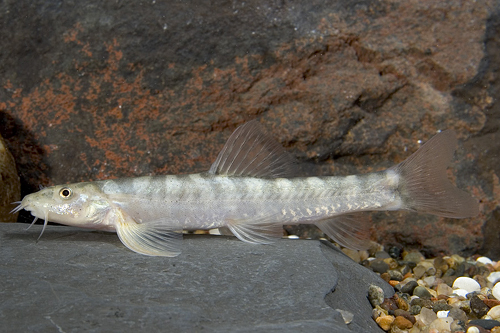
(71, 35)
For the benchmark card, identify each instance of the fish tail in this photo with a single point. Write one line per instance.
(423, 183)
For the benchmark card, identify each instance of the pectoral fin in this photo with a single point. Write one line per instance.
(260, 231)
(351, 230)
(153, 238)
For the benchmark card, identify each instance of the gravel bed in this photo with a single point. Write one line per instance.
(443, 294)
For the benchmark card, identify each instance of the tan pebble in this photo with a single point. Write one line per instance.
(385, 276)
(377, 312)
(419, 271)
(458, 259)
(402, 304)
(486, 292)
(363, 255)
(444, 289)
(481, 280)
(402, 323)
(454, 301)
(385, 322)
(353, 254)
(395, 329)
(441, 324)
(494, 312)
(441, 264)
(495, 329)
(393, 264)
(496, 266)
(414, 329)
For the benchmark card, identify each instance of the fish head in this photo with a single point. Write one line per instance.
(79, 205)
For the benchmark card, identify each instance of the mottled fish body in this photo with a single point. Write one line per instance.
(251, 189)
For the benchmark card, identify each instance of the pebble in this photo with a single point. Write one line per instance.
(402, 323)
(382, 255)
(422, 292)
(490, 301)
(413, 256)
(426, 316)
(493, 277)
(496, 291)
(457, 326)
(419, 271)
(346, 315)
(473, 329)
(466, 283)
(485, 323)
(375, 295)
(394, 252)
(379, 266)
(484, 260)
(395, 275)
(458, 314)
(409, 287)
(478, 307)
(444, 289)
(494, 312)
(460, 292)
(442, 314)
(385, 322)
(405, 314)
(441, 324)
(353, 254)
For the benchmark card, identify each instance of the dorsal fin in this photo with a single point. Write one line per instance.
(251, 152)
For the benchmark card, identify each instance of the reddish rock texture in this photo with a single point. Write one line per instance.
(99, 90)
(9, 183)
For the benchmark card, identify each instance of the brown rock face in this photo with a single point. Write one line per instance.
(10, 188)
(101, 90)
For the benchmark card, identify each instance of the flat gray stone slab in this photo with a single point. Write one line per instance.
(74, 280)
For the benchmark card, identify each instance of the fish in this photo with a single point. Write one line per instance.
(252, 190)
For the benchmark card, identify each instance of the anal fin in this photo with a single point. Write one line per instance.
(154, 238)
(350, 230)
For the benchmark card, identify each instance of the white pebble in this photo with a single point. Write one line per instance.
(494, 312)
(496, 291)
(442, 314)
(466, 283)
(484, 260)
(461, 292)
(493, 277)
(473, 329)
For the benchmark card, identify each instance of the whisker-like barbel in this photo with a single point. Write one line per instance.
(252, 190)
(18, 208)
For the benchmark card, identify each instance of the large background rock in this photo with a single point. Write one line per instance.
(218, 284)
(93, 90)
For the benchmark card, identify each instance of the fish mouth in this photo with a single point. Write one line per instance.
(36, 213)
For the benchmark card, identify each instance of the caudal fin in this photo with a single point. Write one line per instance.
(424, 186)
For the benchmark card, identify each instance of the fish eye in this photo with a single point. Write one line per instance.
(65, 193)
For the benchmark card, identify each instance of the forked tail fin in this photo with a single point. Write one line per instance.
(424, 186)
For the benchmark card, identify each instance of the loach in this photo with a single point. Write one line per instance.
(252, 190)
